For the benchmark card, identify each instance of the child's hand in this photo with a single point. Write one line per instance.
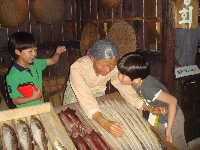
(36, 94)
(159, 110)
(169, 135)
(60, 49)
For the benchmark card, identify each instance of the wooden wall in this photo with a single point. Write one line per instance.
(44, 33)
(60, 32)
(90, 9)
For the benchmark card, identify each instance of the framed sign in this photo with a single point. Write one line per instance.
(186, 71)
(186, 14)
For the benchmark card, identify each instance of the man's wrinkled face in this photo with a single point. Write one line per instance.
(104, 66)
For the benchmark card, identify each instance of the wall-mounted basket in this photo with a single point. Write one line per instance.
(111, 3)
(13, 13)
(123, 34)
(89, 34)
(48, 11)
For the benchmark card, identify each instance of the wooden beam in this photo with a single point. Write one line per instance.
(100, 28)
(113, 19)
(155, 28)
(73, 26)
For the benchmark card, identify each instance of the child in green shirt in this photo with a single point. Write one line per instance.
(27, 68)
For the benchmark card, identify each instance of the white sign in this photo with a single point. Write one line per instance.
(186, 13)
(186, 71)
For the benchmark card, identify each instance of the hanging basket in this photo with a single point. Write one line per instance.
(48, 11)
(13, 13)
(111, 3)
(123, 35)
(89, 34)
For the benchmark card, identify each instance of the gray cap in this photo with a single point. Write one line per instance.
(103, 49)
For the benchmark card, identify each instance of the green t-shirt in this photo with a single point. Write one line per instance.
(20, 75)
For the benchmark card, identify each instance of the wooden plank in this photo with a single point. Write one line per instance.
(46, 33)
(3, 37)
(57, 28)
(150, 9)
(35, 28)
(26, 26)
(93, 9)
(85, 13)
(67, 32)
(62, 64)
(137, 7)
(78, 16)
(115, 19)
(20, 113)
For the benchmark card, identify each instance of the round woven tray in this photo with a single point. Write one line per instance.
(89, 34)
(48, 11)
(111, 3)
(123, 34)
(13, 13)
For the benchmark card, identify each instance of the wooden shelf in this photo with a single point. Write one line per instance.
(153, 22)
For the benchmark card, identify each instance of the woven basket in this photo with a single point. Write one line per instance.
(123, 35)
(111, 3)
(89, 34)
(13, 13)
(48, 11)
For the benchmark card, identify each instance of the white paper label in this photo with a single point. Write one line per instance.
(186, 71)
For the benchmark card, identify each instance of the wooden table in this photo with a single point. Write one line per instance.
(89, 123)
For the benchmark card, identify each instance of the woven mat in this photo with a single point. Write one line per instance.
(3, 105)
(89, 34)
(123, 34)
(111, 3)
(3, 69)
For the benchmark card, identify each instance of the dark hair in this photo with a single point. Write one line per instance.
(133, 65)
(21, 41)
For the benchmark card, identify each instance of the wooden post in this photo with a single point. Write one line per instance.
(168, 45)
